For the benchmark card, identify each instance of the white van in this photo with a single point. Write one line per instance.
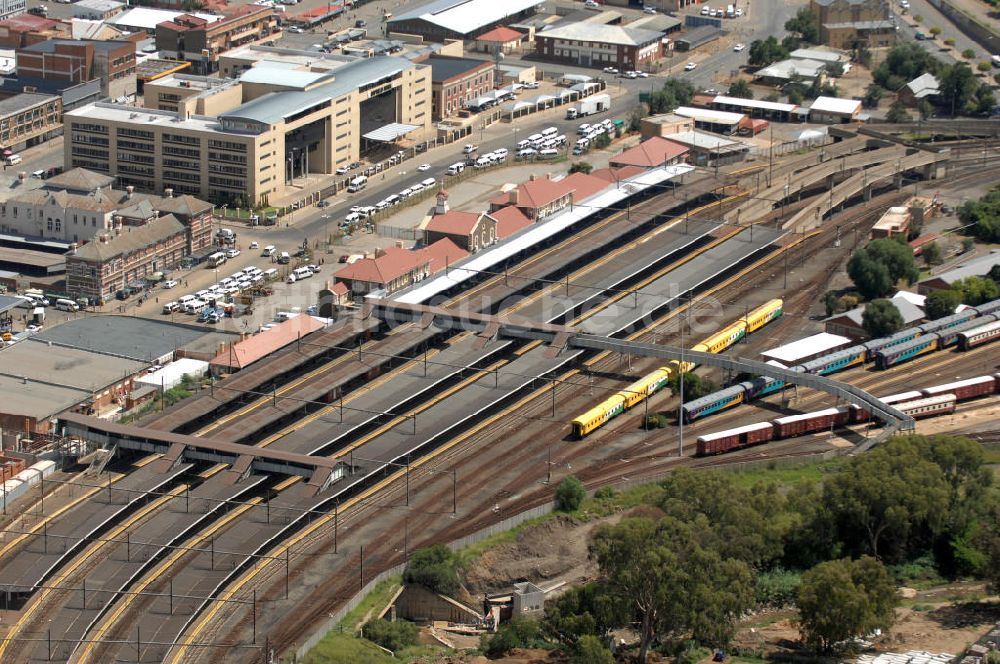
(549, 132)
(429, 182)
(456, 168)
(184, 299)
(393, 199)
(268, 250)
(170, 307)
(548, 154)
(302, 273)
(290, 279)
(14, 160)
(523, 144)
(415, 188)
(357, 184)
(270, 273)
(194, 306)
(284, 259)
(39, 174)
(63, 304)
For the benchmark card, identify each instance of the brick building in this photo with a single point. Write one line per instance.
(847, 24)
(27, 29)
(78, 61)
(192, 38)
(472, 231)
(457, 81)
(124, 256)
(591, 44)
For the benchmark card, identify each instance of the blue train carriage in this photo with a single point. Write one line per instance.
(901, 337)
(949, 336)
(977, 336)
(836, 361)
(645, 387)
(904, 352)
(991, 307)
(597, 416)
(763, 315)
(947, 322)
(713, 403)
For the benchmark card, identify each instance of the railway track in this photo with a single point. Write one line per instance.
(188, 547)
(453, 457)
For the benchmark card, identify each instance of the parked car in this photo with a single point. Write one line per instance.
(690, 66)
(739, 47)
(424, 167)
(170, 283)
(232, 253)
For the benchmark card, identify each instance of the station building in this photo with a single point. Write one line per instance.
(259, 134)
(439, 20)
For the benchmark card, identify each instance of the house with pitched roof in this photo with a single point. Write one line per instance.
(241, 354)
(500, 39)
(539, 198)
(509, 221)
(390, 270)
(471, 231)
(441, 254)
(651, 153)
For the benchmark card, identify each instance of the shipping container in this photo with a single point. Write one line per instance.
(731, 439)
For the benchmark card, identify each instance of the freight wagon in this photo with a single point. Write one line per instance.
(731, 439)
(969, 388)
(978, 336)
(798, 425)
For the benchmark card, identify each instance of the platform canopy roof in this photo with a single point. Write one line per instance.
(390, 132)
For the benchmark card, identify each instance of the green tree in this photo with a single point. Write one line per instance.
(518, 633)
(886, 499)
(391, 635)
(795, 95)
(983, 215)
(968, 54)
(932, 254)
(881, 318)
(958, 86)
(748, 522)
(880, 265)
(844, 599)
(897, 113)
(741, 89)
(435, 568)
(694, 385)
(584, 610)
(873, 95)
(570, 494)
(994, 273)
(805, 24)
(942, 303)
(925, 108)
(764, 52)
(581, 167)
(675, 92)
(976, 290)
(935, 31)
(671, 580)
(590, 650)
(903, 63)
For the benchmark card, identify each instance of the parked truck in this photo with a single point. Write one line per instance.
(589, 106)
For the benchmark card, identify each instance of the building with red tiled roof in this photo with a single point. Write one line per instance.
(616, 175)
(471, 231)
(443, 253)
(506, 39)
(652, 153)
(391, 271)
(537, 198)
(509, 221)
(584, 186)
(241, 354)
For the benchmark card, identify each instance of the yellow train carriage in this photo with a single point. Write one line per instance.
(598, 415)
(720, 341)
(645, 386)
(763, 315)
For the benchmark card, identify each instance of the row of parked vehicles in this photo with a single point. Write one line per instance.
(246, 279)
(589, 132)
(360, 212)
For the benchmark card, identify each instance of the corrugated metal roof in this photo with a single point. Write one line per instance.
(707, 115)
(465, 16)
(276, 106)
(806, 348)
(390, 132)
(754, 103)
(605, 34)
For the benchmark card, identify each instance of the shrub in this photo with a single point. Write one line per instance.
(570, 494)
(949, 42)
(984, 66)
(590, 650)
(935, 31)
(968, 54)
(391, 635)
(656, 421)
(518, 633)
(777, 588)
(581, 167)
(435, 568)
(919, 18)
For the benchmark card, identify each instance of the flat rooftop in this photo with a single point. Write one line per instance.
(35, 360)
(118, 113)
(28, 398)
(42, 259)
(22, 102)
(131, 337)
(152, 69)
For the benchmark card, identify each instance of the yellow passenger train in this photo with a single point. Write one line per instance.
(652, 383)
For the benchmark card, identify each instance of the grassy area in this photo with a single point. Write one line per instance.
(991, 453)
(338, 648)
(376, 599)
(786, 475)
